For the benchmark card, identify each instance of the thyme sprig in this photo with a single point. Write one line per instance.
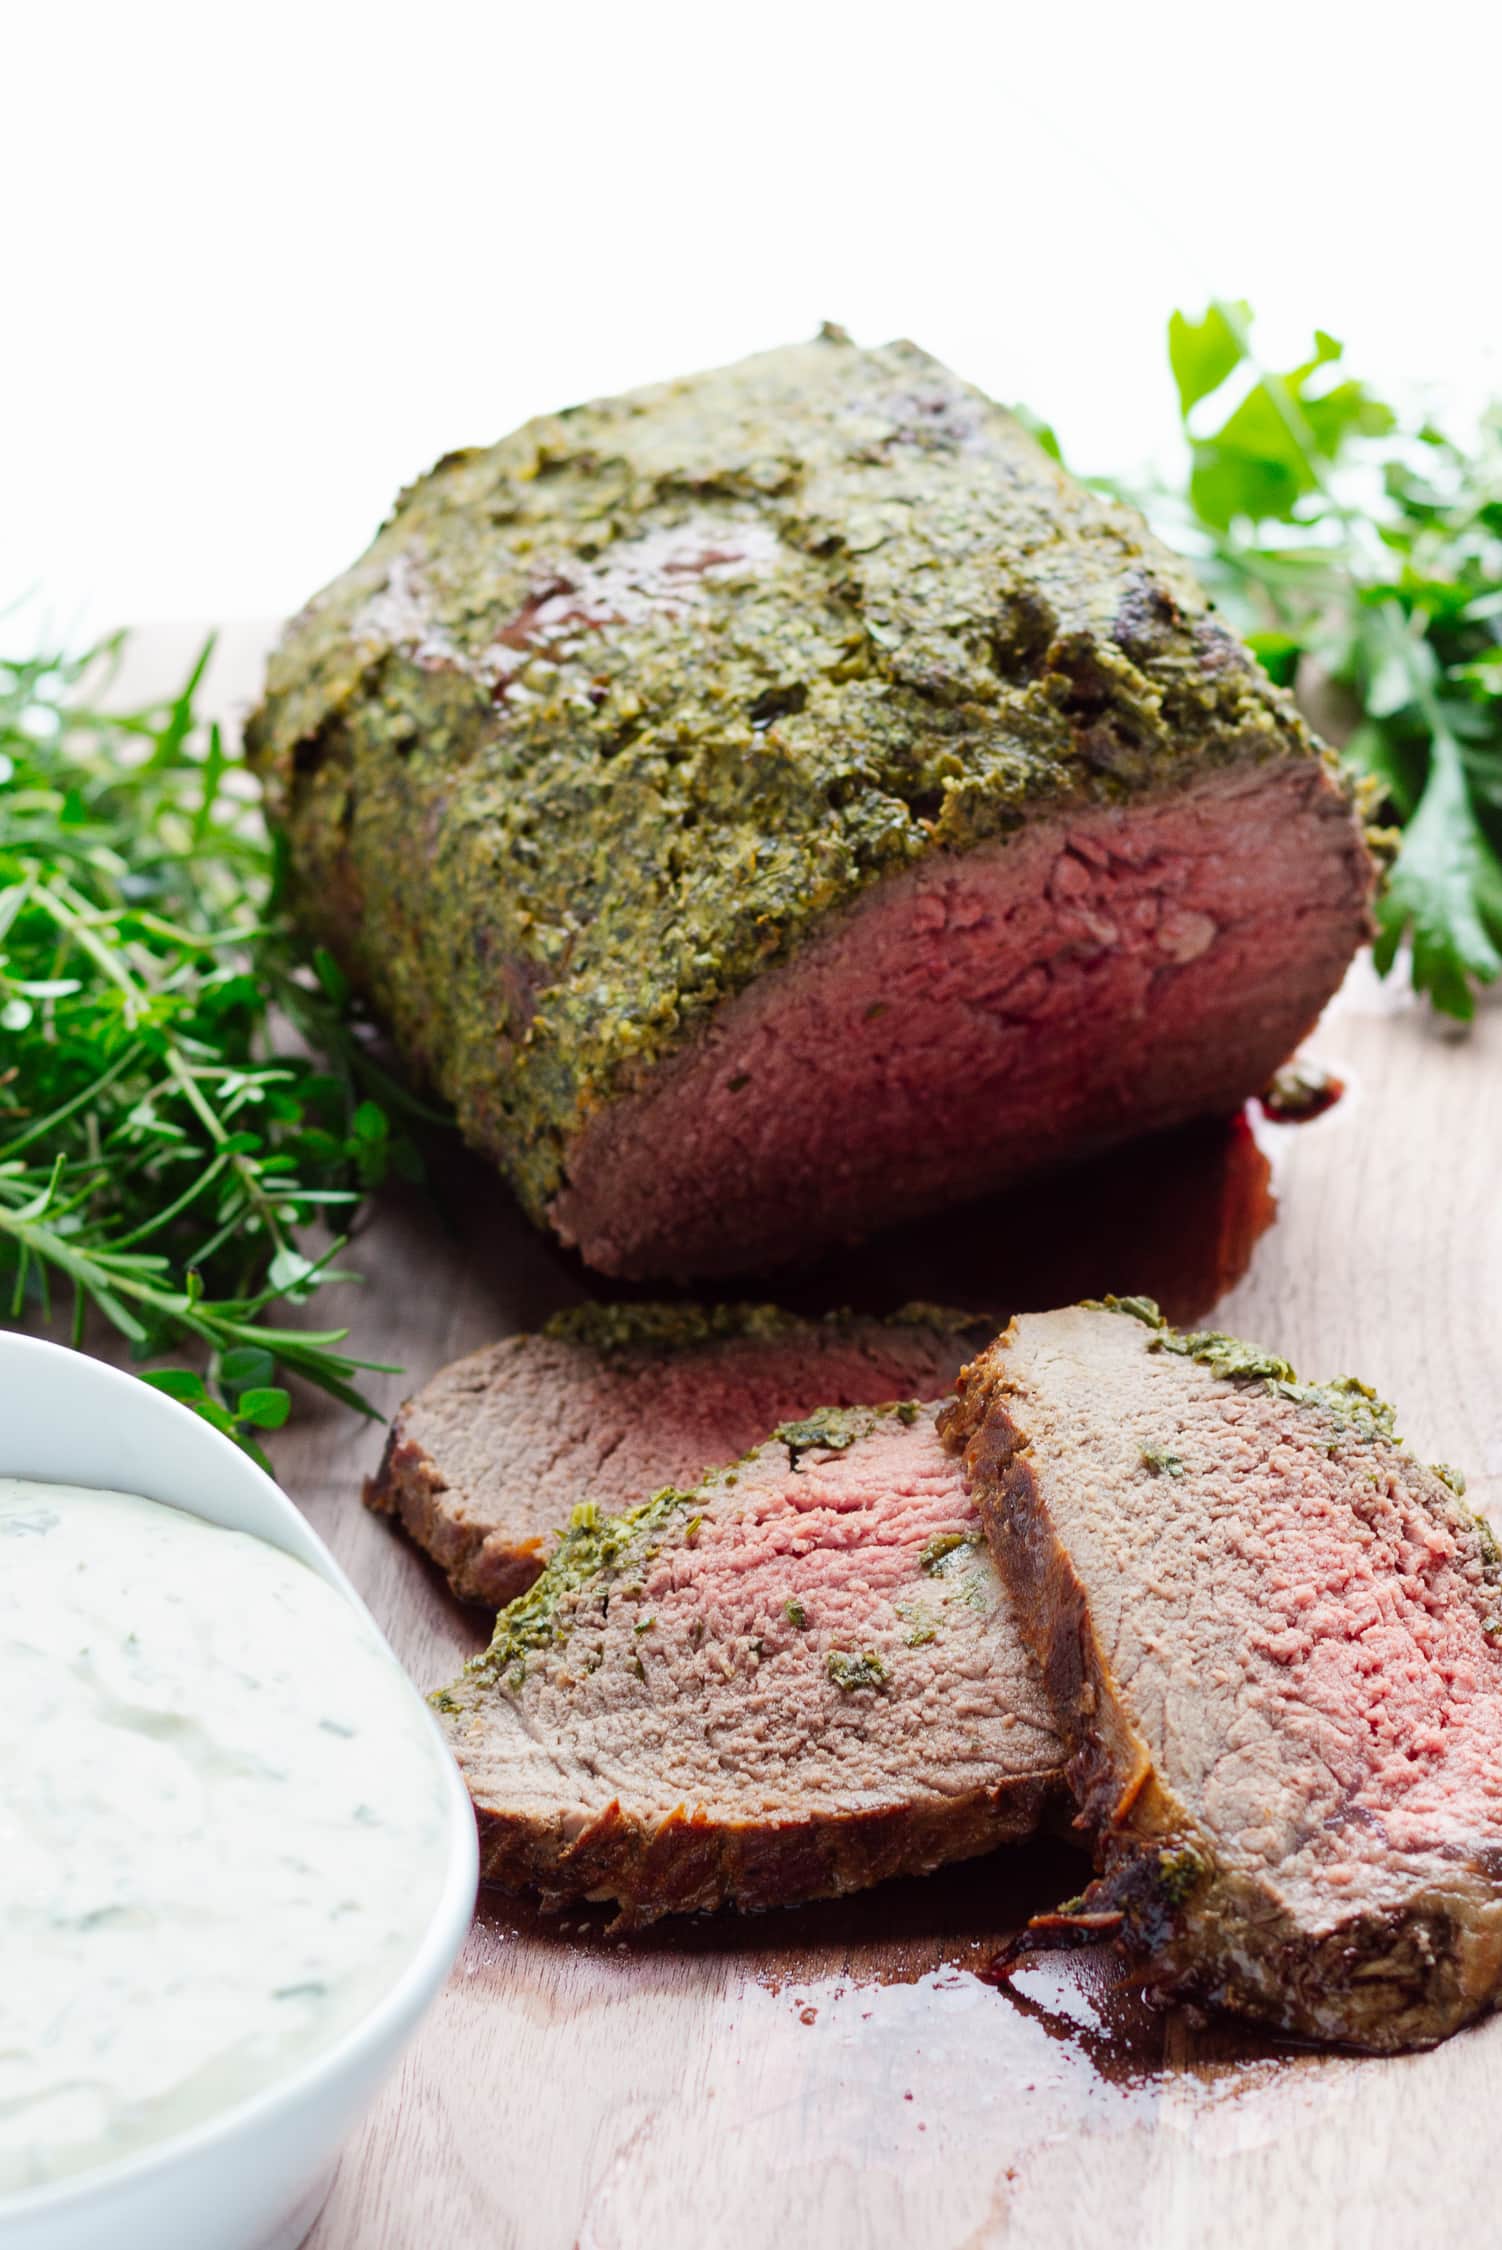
(189, 1116)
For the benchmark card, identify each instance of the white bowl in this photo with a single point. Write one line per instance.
(253, 2177)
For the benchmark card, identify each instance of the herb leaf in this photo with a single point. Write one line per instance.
(1202, 353)
(1446, 890)
(1348, 544)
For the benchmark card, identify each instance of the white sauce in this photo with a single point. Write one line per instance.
(222, 1823)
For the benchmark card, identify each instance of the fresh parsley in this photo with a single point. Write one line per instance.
(1361, 552)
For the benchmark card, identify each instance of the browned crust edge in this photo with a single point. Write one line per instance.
(1382, 1982)
(481, 1565)
(689, 1863)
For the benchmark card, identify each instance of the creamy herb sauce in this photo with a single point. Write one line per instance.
(222, 1822)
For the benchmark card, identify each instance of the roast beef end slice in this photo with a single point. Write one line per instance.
(795, 1680)
(1271, 1638)
(487, 1462)
(1112, 974)
(781, 800)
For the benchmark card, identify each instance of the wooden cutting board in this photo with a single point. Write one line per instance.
(839, 2075)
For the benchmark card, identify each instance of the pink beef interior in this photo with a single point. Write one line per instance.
(1103, 974)
(1382, 1665)
(490, 1458)
(708, 1681)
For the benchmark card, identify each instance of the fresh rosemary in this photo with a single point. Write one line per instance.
(189, 1116)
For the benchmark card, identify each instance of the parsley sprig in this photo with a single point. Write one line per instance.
(189, 1116)
(1355, 547)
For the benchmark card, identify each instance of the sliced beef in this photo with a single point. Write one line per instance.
(610, 1403)
(1272, 1640)
(794, 1680)
(780, 801)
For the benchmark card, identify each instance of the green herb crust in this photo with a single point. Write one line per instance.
(611, 1329)
(1180, 1869)
(593, 1546)
(834, 1429)
(596, 1551)
(1353, 1406)
(611, 714)
(850, 1672)
(1349, 1401)
(1346, 1399)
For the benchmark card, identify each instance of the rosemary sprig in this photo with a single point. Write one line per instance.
(189, 1116)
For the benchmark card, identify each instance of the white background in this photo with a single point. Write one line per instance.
(261, 264)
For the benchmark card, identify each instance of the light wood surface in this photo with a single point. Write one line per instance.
(839, 2076)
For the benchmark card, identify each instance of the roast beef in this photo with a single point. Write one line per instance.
(1271, 1638)
(798, 1678)
(781, 800)
(610, 1403)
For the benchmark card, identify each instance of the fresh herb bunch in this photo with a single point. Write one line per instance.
(1364, 551)
(188, 1116)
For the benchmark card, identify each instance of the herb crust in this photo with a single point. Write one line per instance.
(614, 712)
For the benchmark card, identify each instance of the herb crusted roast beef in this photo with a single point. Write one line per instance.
(783, 799)
(610, 1403)
(1274, 1643)
(797, 1679)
